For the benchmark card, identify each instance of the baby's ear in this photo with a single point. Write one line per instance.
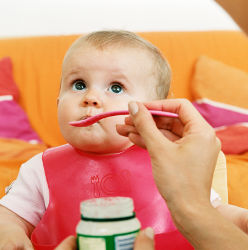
(57, 101)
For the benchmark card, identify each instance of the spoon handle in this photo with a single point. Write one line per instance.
(91, 120)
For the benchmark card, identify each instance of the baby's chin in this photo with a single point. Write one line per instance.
(102, 148)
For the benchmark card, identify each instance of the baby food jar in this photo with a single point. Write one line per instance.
(107, 224)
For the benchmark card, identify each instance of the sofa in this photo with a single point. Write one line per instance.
(201, 62)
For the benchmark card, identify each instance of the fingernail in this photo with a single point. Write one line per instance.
(149, 233)
(133, 108)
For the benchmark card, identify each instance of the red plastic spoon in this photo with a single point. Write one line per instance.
(91, 120)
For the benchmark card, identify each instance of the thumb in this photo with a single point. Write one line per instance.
(68, 244)
(145, 240)
(145, 125)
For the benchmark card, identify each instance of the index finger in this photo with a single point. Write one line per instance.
(184, 108)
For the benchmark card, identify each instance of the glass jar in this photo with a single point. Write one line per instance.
(107, 224)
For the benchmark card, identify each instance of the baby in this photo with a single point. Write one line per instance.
(101, 72)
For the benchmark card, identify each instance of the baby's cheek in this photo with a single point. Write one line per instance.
(119, 119)
(109, 127)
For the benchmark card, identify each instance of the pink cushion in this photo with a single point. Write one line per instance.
(234, 139)
(230, 123)
(14, 122)
(219, 114)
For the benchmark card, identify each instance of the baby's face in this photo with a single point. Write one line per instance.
(96, 81)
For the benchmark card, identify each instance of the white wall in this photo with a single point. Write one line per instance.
(52, 17)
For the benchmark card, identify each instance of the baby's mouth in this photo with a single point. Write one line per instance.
(84, 117)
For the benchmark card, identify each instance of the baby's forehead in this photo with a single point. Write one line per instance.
(86, 49)
(114, 46)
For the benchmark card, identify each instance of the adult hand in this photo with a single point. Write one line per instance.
(183, 151)
(237, 9)
(145, 240)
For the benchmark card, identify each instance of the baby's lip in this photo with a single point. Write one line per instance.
(89, 113)
(84, 117)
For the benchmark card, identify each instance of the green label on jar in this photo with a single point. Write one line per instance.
(109, 242)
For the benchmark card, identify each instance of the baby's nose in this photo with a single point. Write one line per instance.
(91, 100)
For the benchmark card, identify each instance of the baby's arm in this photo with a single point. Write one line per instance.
(23, 206)
(14, 231)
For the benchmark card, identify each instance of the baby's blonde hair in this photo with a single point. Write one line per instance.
(106, 38)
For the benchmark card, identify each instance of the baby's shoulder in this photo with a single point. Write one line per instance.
(33, 165)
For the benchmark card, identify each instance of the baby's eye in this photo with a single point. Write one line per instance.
(78, 85)
(116, 88)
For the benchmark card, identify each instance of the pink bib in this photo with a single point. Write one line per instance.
(74, 176)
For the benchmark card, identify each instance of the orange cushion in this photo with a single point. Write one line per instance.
(13, 154)
(226, 84)
(219, 82)
(7, 83)
(237, 176)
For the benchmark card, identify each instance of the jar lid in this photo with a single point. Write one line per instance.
(107, 207)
